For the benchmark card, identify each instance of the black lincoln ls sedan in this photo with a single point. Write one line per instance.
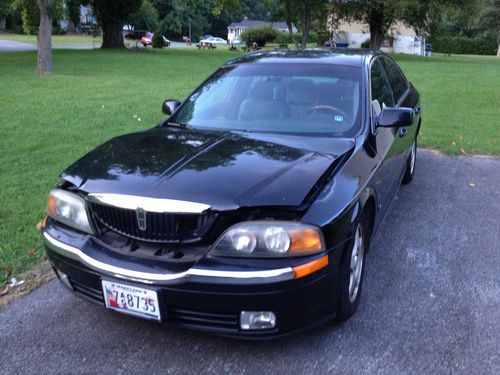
(249, 211)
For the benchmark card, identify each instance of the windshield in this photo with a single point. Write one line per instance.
(309, 99)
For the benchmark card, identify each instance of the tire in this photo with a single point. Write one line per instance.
(352, 272)
(410, 164)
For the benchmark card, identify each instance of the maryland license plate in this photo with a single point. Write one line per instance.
(131, 300)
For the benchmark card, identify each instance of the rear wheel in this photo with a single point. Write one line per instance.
(351, 273)
(410, 164)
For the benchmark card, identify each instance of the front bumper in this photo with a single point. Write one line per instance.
(202, 298)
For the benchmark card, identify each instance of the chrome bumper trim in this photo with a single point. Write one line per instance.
(239, 277)
(133, 202)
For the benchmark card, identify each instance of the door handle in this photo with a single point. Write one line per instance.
(402, 132)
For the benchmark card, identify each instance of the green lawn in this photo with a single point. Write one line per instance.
(48, 122)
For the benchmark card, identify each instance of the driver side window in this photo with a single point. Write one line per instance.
(381, 91)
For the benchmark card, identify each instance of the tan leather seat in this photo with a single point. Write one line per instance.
(262, 103)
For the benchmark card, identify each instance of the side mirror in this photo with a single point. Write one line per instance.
(170, 106)
(395, 117)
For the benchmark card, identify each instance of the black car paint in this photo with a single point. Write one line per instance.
(195, 166)
(334, 181)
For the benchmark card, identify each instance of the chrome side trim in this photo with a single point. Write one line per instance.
(133, 202)
(149, 278)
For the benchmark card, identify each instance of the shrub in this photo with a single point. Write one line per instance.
(464, 46)
(366, 44)
(260, 35)
(284, 38)
(323, 36)
(158, 41)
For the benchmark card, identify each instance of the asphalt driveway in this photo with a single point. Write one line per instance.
(430, 304)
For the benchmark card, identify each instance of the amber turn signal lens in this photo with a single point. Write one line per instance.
(51, 205)
(311, 267)
(305, 241)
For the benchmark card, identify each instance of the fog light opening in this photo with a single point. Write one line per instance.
(257, 320)
(64, 278)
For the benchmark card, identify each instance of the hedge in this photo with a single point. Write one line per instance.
(284, 37)
(464, 46)
(260, 35)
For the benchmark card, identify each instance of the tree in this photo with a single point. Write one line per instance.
(73, 13)
(112, 14)
(302, 13)
(5, 9)
(380, 15)
(44, 36)
(286, 11)
(220, 5)
(146, 17)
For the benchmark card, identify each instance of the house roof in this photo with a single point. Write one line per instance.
(258, 23)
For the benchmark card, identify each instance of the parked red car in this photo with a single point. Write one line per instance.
(147, 40)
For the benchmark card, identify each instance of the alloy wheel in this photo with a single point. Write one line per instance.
(356, 264)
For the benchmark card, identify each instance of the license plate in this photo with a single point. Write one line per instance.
(131, 300)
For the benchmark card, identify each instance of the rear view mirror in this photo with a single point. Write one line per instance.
(170, 106)
(395, 117)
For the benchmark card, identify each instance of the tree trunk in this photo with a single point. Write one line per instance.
(112, 34)
(44, 39)
(376, 36)
(71, 27)
(290, 31)
(306, 24)
(289, 22)
(2, 23)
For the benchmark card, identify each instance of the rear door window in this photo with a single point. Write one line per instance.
(396, 78)
(381, 91)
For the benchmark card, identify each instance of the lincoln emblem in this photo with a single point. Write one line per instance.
(141, 218)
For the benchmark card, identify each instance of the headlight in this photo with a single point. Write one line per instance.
(68, 208)
(269, 239)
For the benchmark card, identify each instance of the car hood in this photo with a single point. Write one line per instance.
(225, 170)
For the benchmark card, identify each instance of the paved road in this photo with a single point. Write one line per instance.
(11, 46)
(431, 303)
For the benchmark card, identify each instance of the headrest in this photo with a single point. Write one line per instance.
(262, 91)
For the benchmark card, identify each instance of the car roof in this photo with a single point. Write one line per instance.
(337, 56)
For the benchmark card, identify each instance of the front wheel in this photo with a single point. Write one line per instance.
(351, 274)
(410, 164)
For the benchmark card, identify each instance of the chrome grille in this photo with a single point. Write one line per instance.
(159, 227)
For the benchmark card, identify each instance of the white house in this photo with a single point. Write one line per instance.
(235, 29)
(399, 39)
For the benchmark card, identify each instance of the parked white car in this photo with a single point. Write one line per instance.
(213, 40)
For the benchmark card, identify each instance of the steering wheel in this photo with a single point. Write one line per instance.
(330, 108)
